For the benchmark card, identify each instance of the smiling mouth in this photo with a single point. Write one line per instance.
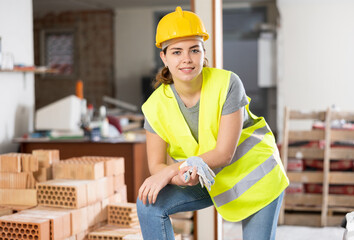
(187, 68)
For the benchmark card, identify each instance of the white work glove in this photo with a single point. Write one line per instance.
(206, 175)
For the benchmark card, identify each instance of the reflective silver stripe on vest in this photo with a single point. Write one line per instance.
(246, 183)
(244, 147)
(256, 137)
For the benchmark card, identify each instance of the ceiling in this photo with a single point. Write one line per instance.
(41, 7)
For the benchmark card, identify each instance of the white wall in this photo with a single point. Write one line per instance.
(134, 49)
(204, 9)
(316, 55)
(16, 89)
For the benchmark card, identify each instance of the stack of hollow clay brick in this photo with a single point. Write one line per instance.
(17, 180)
(123, 224)
(35, 224)
(83, 187)
(92, 168)
(71, 205)
(17, 183)
(123, 214)
(122, 221)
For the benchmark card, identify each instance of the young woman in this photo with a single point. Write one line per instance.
(223, 154)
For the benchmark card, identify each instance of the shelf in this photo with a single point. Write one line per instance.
(35, 71)
(312, 135)
(341, 200)
(306, 152)
(310, 219)
(305, 177)
(341, 178)
(342, 135)
(305, 199)
(299, 115)
(303, 208)
(340, 153)
(317, 177)
(339, 209)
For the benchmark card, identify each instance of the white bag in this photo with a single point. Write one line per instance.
(349, 231)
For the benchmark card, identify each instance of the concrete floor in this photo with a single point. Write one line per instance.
(233, 231)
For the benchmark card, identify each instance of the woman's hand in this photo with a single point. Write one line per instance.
(152, 186)
(180, 179)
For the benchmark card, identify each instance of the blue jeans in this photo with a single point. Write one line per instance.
(156, 225)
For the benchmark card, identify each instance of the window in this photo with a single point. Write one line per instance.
(58, 51)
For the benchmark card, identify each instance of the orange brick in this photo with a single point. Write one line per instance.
(121, 194)
(62, 193)
(71, 238)
(46, 157)
(103, 215)
(118, 181)
(93, 212)
(10, 162)
(105, 187)
(31, 181)
(19, 227)
(104, 210)
(112, 232)
(58, 221)
(13, 180)
(43, 174)
(58, 211)
(123, 214)
(26, 197)
(17, 208)
(118, 166)
(109, 167)
(137, 236)
(77, 168)
(5, 211)
(29, 162)
(113, 165)
(79, 220)
(91, 189)
(110, 186)
(82, 235)
(90, 216)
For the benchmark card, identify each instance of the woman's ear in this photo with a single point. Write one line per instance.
(163, 58)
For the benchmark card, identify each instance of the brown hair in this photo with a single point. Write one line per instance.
(164, 76)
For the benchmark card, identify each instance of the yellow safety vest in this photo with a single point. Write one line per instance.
(256, 175)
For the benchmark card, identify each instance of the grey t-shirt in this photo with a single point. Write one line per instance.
(236, 98)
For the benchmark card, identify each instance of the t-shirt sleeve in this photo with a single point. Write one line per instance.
(236, 97)
(148, 127)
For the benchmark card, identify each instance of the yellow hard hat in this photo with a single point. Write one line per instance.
(179, 24)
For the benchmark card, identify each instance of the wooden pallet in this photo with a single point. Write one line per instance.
(317, 209)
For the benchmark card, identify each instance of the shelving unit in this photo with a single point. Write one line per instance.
(24, 72)
(320, 209)
(35, 71)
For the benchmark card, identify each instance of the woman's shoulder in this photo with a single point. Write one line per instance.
(212, 73)
(216, 70)
(161, 93)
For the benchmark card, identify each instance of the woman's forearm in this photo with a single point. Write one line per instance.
(228, 137)
(169, 170)
(216, 158)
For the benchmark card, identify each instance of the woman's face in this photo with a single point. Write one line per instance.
(184, 59)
